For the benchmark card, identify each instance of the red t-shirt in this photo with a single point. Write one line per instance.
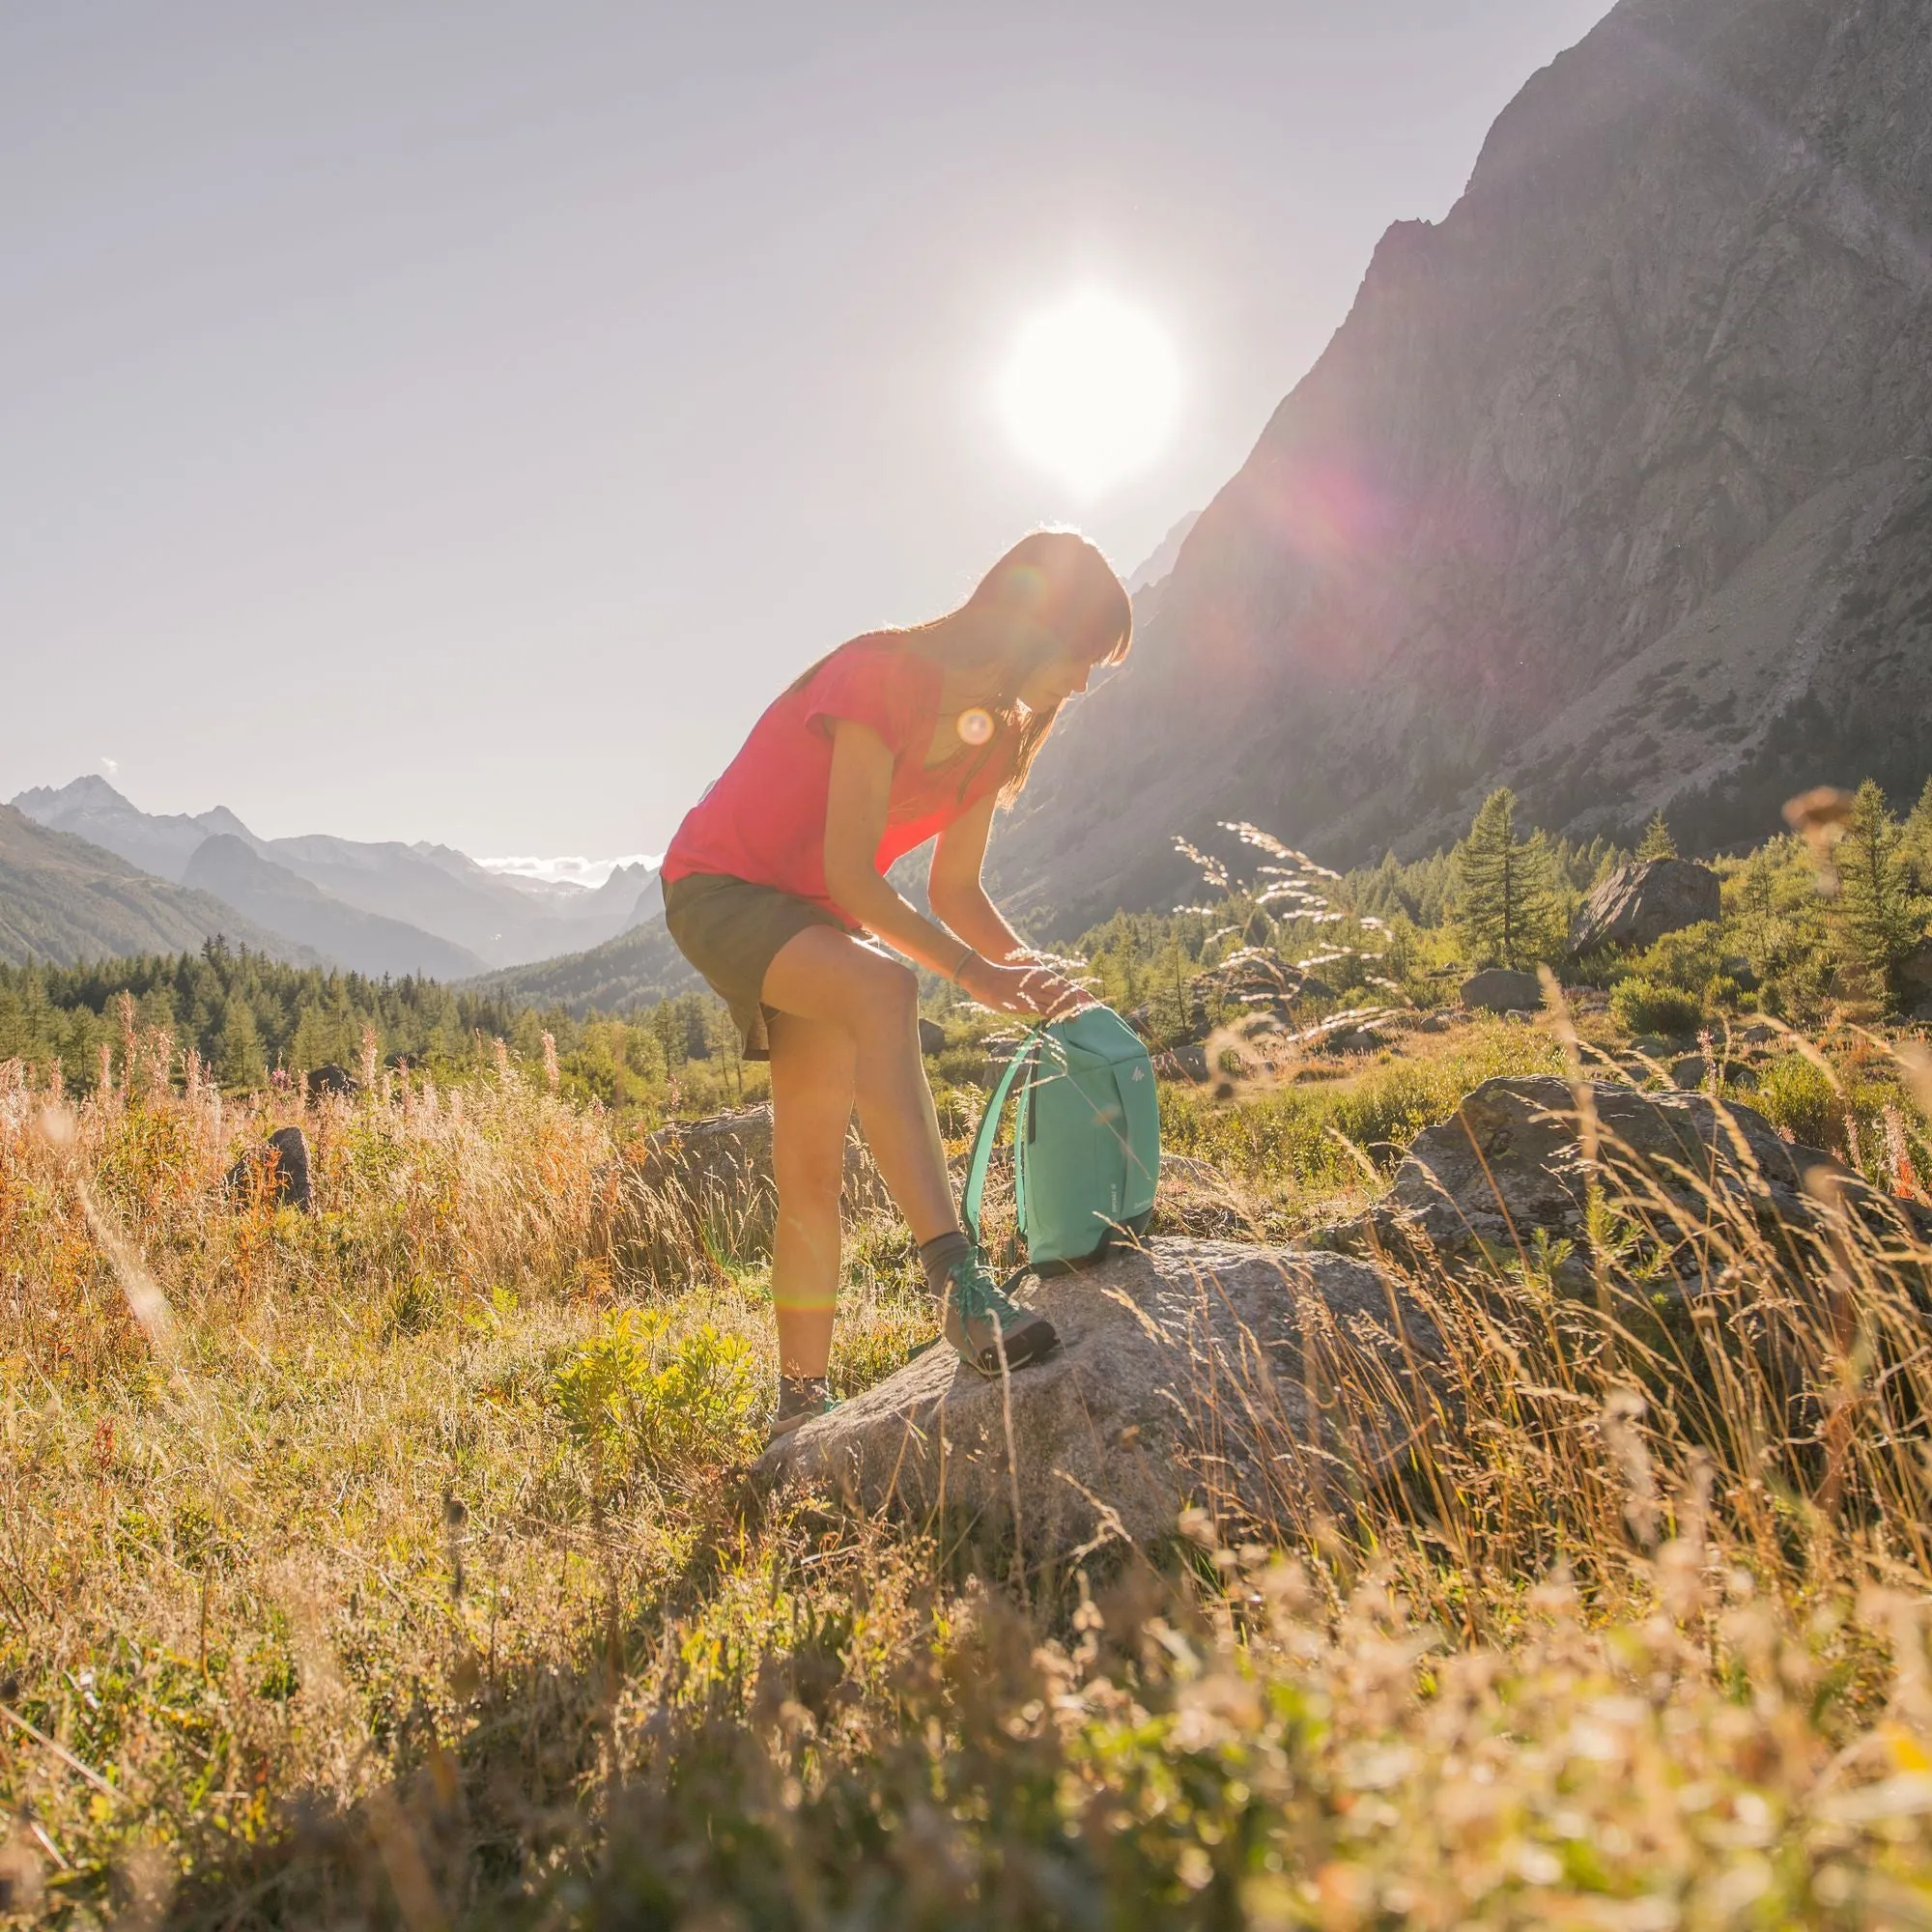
(764, 820)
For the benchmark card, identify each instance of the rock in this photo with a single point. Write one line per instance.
(1737, 968)
(1498, 990)
(278, 1168)
(1354, 1039)
(1434, 1023)
(1690, 1072)
(1182, 1062)
(1511, 1162)
(704, 1185)
(1912, 979)
(1638, 905)
(931, 1034)
(329, 1078)
(1178, 1376)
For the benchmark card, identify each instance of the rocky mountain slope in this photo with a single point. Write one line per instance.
(63, 900)
(1615, 486)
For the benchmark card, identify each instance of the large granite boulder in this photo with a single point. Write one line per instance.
(1511, 1162)
(704, 1186)
(1498, 990)
(1638, 905)
(1179, 1377)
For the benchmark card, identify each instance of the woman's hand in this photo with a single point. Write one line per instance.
(1034, 992)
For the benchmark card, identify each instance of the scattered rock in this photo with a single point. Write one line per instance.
(1434, 1023)
(1354, 1039)
(1498, 990)
(278, 1167)
(1638, 905)
(704, 1185)
(1178, 1373)
(1736, 967)
(1511, 1162)
(1912, 979)
(1690, 1072)
(1758, 1034)
(931, 1034)
(1182, 1062)
(329, 1078)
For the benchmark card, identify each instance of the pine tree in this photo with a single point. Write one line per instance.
(1657, 841)
(308, 1049)
(1880, 915)
(1917, 841)
(1505, 900)
(241, 1058)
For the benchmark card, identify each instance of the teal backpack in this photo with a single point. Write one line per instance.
(1086, 1140)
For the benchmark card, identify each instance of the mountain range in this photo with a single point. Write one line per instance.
(375, 908)
(65, 901)
(1615, 486)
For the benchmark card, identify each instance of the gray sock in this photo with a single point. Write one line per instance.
(937, 1256)
(802, 1395)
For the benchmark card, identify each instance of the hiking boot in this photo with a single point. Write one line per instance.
(802, 1399)
(985, 1324)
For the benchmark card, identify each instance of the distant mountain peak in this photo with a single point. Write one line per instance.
(89, 788)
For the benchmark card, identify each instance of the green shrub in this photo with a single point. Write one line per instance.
(1687, 960)
(637, 1394)
(1795, 1094)
(1644, 1005)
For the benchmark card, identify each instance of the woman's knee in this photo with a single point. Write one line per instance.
(887, 996)
(809, 1179)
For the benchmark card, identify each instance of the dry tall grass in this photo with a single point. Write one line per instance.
(394, 1566)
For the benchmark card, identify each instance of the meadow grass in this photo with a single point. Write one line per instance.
(398, 1564)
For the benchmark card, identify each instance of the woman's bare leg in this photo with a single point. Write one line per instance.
(826, 976)
(811, 1108)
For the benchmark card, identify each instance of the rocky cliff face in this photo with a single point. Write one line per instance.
(1615, 486)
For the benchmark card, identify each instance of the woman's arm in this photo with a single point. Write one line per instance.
(855, 821)
(958, 894)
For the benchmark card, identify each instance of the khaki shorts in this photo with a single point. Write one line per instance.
(731, 930)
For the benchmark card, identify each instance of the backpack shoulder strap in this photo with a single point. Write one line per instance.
(989, 1132)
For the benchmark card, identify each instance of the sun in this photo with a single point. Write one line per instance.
(1091, 390)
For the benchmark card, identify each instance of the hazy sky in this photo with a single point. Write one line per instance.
(457, 421)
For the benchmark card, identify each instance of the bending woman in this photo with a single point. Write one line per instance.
(775, 890)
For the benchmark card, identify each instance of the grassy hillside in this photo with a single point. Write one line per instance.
(65, 900)
(397, 1565)
(636, 969)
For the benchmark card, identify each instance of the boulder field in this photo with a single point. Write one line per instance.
(1186, 1370)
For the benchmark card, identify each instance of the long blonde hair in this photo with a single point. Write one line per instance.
(1052, 595)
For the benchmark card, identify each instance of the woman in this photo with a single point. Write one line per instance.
(774, 888)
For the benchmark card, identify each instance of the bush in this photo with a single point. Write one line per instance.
(635, 1393)
(1794, 1094)
(1644, 1005)
(1686, 958)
